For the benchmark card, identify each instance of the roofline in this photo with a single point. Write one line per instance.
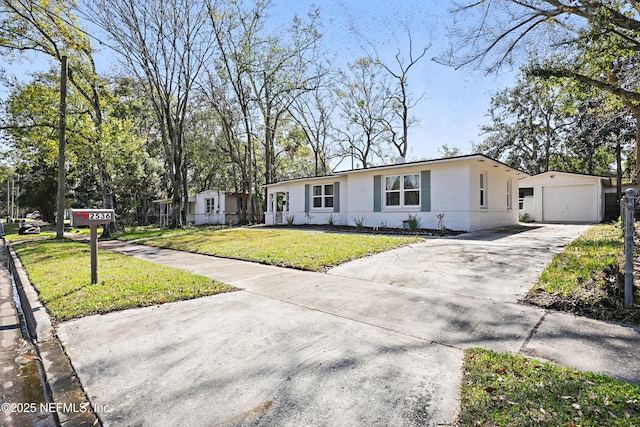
(481, 157)
(311, 178)
(440, 160)
(608, 178)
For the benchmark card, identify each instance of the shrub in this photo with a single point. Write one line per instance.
(413, 222)
(359, 221)
(524, 217)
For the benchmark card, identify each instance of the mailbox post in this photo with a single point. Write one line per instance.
(629, 200)
(93, 218)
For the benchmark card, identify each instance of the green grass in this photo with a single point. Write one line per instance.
(305, 250)
(586, 278)
(147, 232)
(154, 232)
(60, 270)
(11, 233)
(509, 390)
(597, 249)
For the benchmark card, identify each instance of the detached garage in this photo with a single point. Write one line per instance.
(563, 197)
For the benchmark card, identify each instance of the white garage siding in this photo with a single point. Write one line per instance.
(564, 197)
(571, 203)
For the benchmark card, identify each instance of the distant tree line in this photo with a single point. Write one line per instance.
(206, 95)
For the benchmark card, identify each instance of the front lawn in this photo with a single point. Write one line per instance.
(305, 250)
(509, 390)
(142, 233)
(586, 278)
(60, 271)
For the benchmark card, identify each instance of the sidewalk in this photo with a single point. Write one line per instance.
(22, 395)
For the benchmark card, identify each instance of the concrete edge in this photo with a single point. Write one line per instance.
(73, 407)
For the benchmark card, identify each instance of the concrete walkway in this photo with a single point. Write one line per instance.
(375, 342)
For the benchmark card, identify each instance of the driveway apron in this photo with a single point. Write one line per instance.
(499, 264)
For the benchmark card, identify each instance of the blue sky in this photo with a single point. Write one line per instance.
(455, 101)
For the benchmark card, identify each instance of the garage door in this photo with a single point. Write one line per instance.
(570, 203)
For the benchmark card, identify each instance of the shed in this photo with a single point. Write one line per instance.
(206, 207)
(563, 197)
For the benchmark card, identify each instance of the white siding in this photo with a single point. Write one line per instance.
(449, 195)
(496, 211)
(454, 193)
(216, 215)
(297, 214)
(565, 197)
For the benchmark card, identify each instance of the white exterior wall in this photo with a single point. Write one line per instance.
(454, 192)
(215, 217)
(496, 212)
(296, 208)
(562, 185)
(446, 179)
(321, 216)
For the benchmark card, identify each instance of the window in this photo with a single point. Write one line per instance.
(483, 190)
(509, 194)
(323, 196)
(402, 190)
(211, 206)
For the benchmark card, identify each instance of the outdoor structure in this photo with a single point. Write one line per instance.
(563, 197)
(206, 207)
(460, 193)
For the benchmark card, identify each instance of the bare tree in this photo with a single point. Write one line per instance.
(263, 73)
(164, 43)
(312, 112)
(366, 106)
(402, 97)
(283, 70)
(234, 31)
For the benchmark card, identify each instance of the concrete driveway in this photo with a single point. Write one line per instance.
(377, 341)
(500, 264)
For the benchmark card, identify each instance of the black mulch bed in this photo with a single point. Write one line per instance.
(422, 232)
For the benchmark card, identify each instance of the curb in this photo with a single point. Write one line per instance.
(72, 405)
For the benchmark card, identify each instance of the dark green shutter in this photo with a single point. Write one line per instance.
(425, 191)
(307, 195)
(377, 193)
(336, 197)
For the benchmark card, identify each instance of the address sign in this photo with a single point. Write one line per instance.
(81, 217)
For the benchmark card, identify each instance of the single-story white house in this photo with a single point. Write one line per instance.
(206, 207)
(460, 193)
(563, 197)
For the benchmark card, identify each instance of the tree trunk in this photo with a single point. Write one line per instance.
(618, 170)
(107, 199)
(636, 113)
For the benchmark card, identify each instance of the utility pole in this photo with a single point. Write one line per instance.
(61, 148)
(13, 200)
